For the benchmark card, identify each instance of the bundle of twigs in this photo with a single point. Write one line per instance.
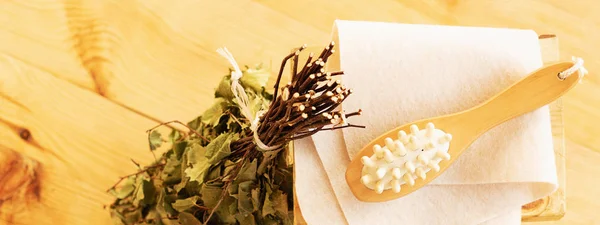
(307, 104)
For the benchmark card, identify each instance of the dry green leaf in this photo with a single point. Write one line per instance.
(196, 123)
(248, 197)
(245, 218)
(138, 194)
(233, 207)
(256, 78)
(144, 193)
(228, 167)
(246, 173)
(224, 88)
(268, 208)
(160, 201)
(133, 216)
(255, 197)
(219, 147)
(166, 202)
(127, 188)
(197, 163)
(213, 174)
(210, 195)
(188, 219)
(212, 115)
(174, 136)
(179, 148)
(185, 204)
(257, 102)
(181, 185)
(192, 188)
(155, 140)
(226, 215)
(149, 192)
(280, 203)
(275, 204)
(245, 203)
(171, 173)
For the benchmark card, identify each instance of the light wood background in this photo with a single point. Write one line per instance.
(86, 78)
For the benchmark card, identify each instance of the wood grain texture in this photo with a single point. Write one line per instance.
(552, 207)
(88, 77)
(582, 192)
(82, 141)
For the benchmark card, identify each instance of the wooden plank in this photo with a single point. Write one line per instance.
(582, 197)
(143, 51)
(143, 55)
(82, 142)
(36, 32)
(551, 207)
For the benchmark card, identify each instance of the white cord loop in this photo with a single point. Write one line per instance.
(577, 67)
(242, 98)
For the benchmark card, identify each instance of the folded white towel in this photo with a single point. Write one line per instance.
(401, 73)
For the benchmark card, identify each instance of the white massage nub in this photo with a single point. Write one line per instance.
(409, 166)
(402, 159)
(402, 136)
(366, 179)
(367, 161)
(389, 143)
(378, 151)
(400, 149)
(388, 156)
(396, 186)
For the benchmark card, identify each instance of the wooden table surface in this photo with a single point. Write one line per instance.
(81, 81)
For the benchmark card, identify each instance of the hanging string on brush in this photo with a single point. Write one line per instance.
(577, 67)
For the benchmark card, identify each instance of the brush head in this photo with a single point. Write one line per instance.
(401, 160)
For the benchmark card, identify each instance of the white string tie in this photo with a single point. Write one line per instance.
(577, 67)
(242, 98)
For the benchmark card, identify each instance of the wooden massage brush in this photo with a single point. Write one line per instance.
(410, 156)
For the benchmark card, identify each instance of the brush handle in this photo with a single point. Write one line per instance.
(538, 89)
